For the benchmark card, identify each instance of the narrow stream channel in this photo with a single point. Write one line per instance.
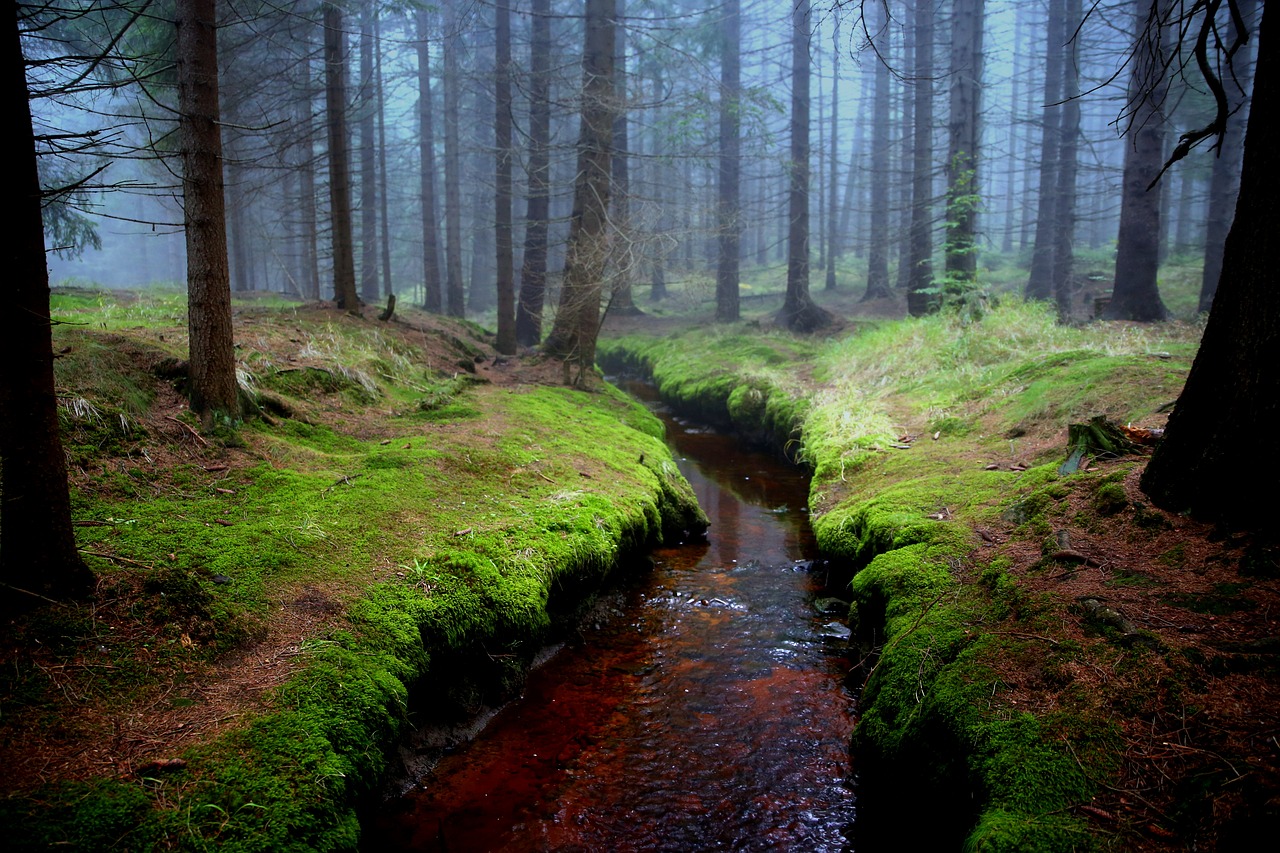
(706, 711)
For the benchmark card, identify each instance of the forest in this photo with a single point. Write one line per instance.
(910, 247)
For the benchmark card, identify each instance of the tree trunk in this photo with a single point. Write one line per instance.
(533, 270)
(1064, 212)
(621, 300)
(963, 157)
(384, 241)
(1040, 281)
(38, 558)
(307, 186)
(368, 160)
(919, 302)
(432, 297)
(455, 293)
(1224, 184)
(573, 337)
(1215, 459)
(729, 189)
(335, 104)
(1136, 295)
(213, 388)
(506, 292)
(833, 170)
(878, 251)
(799, 313)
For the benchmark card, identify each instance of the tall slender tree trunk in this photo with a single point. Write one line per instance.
(1064, 213)
(38, 557)
(533, 270)
(213, 389)
(368, 160)
(1224, 183)
(730, 178)
(1040, 281)
(1136, 295)
(506, 341)
(385, 233)
(961, 252)
(432, 299)
(573, 337)
(878, 251)
(907, 153)
(455, 293)
(621, 299)
(798, 312)
(307, 183)
(833, 172)
(335, 103)
(919, 302)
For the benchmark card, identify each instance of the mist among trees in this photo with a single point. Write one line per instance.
(435, 151)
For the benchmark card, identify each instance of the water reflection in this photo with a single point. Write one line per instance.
(707, 712)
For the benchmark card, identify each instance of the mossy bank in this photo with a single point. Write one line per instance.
(406, 515)
(998, 710)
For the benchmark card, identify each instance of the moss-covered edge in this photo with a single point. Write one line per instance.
(928, 737)
(292, 779)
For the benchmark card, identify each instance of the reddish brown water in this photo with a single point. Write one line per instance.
(706, 712)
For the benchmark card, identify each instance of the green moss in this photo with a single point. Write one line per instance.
(1110, 498)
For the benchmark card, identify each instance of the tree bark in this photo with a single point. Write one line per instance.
(1064, 213)
(506, 340)
(335, 101)
(621, 300)
(729, 225)
(455, 293)
(213, 388)
(533, 270)
(1224, 184)
(961, 253)
(833, 167)
(368, 160)
(919, 302)
(799, 313)
(1216, 459)
(878, 234)
(1136, 295)
(573, 337)
(38, 558)
(1040, 281)
(432, 299)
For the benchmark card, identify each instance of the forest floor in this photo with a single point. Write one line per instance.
(1163, 625)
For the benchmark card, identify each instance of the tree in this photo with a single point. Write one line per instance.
(367, 112)
(335, 104)
(961, 253)
(38, 559)
(573, 337)
(1224, 184)
(1136, 295)
(1040, 280)
(878, 251)
(533, 269)
(1233, 391)
(799, 313)
(432, 298)
(920, 280)
(1064, 213)
(728, 212)
(506, 342)
(455, 294)
(214, 392)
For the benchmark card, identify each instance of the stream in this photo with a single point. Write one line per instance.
(704, 708)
